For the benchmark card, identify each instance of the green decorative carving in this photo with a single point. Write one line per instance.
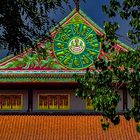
(92, 53)
(60, 45)
(76, 19)
(67, 59)
(86, 60)
(77, 28)
(33, 59)
(76, 45)
(84, 30)
(76, 62)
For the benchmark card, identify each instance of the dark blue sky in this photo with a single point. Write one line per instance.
(93, 9)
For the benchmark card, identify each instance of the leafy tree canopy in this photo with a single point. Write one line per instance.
(115, 70)
(128, 10)
(23, 21)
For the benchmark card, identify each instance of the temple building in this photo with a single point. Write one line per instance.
(32, 82)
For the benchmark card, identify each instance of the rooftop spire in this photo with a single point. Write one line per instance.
(77, 5)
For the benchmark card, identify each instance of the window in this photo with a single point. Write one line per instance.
(53, 101)
(89, 105)
(10, 102)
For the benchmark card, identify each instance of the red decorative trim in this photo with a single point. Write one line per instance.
(15, 57)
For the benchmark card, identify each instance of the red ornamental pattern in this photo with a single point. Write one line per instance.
(60, 101)
(66, 100)
(57, 101)
(10, 101)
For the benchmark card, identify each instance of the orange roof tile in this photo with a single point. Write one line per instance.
(64, 128)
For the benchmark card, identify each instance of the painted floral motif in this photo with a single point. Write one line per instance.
(41, 58)
(76, 46)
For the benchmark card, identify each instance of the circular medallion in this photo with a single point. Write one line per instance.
(76, 46)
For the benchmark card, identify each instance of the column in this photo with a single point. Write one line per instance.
(30, 100)
(125, 99)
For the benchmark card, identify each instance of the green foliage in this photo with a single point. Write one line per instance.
(138, 128)
(25, 20)
(105, 125)
(39, 57)
(110, 29)
(127, 10)
(123, 68)
(98, 87)
(128, 115)
(126, 66)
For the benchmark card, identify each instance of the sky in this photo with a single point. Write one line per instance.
(93, 9)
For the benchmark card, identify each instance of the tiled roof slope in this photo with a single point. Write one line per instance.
(63, 128)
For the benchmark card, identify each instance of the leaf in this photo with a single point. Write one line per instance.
(104, 8)
(138, 127)
(36, 63)
(7, 66)
(28, 64)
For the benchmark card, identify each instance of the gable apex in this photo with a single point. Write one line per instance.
(76, 20)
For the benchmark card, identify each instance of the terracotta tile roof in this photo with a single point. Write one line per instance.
(63, 128)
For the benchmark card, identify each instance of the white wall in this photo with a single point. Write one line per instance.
(130, 101)
(120, 104)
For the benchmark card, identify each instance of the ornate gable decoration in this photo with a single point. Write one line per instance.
(74, 48)
(76, 45)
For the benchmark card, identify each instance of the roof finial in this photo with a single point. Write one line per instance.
(77, 5)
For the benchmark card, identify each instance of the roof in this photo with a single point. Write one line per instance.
(59, 63)
(64, 128)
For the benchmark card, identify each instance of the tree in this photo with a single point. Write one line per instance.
(115, 70)
(24, 21)
(127, 10)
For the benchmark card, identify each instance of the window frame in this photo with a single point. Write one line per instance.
(20, 107)
(54, 107)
